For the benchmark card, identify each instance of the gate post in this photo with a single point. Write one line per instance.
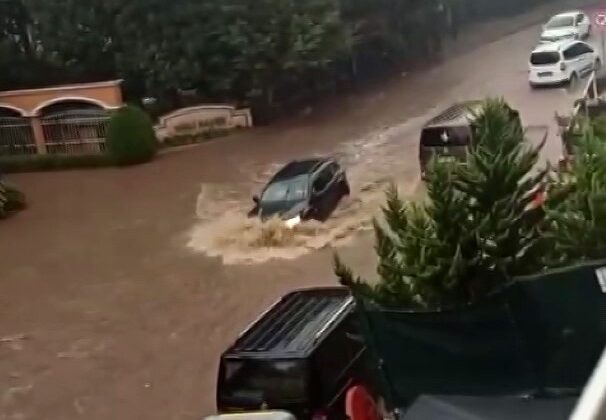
(38, 135)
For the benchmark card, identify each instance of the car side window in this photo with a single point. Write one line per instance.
(322, 180)
(572, 52)
(579, 18)
(585, 49)
(334, 168)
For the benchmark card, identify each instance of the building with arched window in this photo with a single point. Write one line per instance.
(69, 119)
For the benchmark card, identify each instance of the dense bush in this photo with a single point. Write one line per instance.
(34, 163)
(268, 53)
(11, 200)
(131, 138)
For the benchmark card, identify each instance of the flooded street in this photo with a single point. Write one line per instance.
(120, 287)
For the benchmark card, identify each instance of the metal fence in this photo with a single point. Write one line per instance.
(16, 137)
(75, 131)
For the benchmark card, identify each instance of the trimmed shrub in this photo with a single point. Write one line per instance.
(11, 200)
(131, 138)
(12, 164)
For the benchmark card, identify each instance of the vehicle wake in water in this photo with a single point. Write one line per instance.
(223, 229)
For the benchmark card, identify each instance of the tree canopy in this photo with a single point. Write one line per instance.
(239, 50)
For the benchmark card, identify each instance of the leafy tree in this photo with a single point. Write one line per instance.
(477, 227)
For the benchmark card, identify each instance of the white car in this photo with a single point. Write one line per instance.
(561, 62)
(569, 25)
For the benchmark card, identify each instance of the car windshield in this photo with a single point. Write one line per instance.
(546, 57)
(560, 22)
(444, 137)
(271, 381)
(293, 189)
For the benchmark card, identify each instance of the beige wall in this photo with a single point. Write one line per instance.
(29, 102)
(198, 119)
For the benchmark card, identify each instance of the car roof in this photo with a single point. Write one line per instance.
(556, 46)
(298, 167)
(455, 115)
(568, 13)
(295, 325)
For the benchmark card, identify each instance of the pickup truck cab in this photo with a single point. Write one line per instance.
(301, 355)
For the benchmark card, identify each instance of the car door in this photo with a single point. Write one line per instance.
(583, 23)
(320, 195)
(587, 57)
(573, 59)
(336, 187)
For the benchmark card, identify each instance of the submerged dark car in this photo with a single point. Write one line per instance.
(302, 189)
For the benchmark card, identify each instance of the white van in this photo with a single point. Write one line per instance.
(561, 62)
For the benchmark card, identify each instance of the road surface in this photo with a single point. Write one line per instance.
(120, 287)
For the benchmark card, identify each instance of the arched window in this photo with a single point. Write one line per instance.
(74, 127)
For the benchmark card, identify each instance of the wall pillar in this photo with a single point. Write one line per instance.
(38, 135)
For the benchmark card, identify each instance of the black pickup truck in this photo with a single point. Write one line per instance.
(301, 355)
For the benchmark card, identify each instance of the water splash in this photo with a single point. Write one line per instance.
(386, 155)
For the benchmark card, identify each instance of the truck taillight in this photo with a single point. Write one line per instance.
(563, 66)
(319, 415)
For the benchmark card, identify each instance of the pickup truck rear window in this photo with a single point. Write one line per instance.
(444, 137)
(275, 381)
(544, 58)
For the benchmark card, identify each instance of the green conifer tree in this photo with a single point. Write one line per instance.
(476, 228)
(577, 225)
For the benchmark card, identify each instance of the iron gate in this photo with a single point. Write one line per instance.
(16, 137)
(75, 131)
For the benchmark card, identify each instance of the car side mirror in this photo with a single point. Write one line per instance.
(256, 199)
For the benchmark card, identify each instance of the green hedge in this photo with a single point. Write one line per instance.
(131, 138)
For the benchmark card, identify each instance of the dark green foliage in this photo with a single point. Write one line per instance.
(577, 229)
(131, 138)
(475, 230)
(11, 200)
(259, 51)
(10, 164)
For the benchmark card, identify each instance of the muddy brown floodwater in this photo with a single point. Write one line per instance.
(120, 287)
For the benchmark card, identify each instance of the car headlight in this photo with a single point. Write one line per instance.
(291, 223)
